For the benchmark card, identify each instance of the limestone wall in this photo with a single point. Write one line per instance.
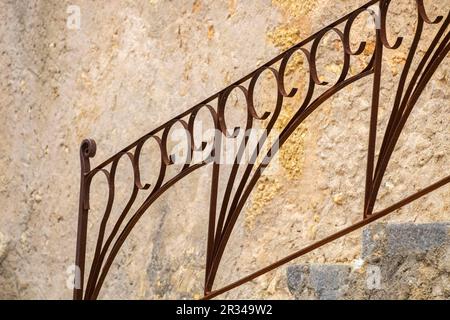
(131, 66)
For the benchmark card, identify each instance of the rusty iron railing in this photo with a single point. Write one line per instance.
(224, 212)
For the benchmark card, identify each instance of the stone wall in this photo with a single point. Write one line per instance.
(133, 65)
(398, 261)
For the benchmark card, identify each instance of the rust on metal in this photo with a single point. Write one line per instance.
(224, 212)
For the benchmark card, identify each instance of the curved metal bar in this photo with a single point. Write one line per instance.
(224, 215)
(425, 78)
(101, 232)
(258, 172)
(424, 16)
(347, 30)
(315, 45)
(132, 222)
(240, 81)
(401, 85)
(384, 7)
(221, 111)
(251, 114)
(312, 79)
(239, 184)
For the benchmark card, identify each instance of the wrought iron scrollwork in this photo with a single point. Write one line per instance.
(224, 212)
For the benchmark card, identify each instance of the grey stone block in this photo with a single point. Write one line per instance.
(295, 278)
(371, 239)
(410, 238)
(403, 239)
(326, 282)
(401, 261)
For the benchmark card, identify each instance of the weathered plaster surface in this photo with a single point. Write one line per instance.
(135, 64)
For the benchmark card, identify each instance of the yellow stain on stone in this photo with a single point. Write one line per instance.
(187, 70)
(91, 112)
(85, 81)
(291, 158)
(338, 198)
(211, 32)
(291, 155)
(196, 6)
(296, 26)
(312, 231)
(232, 4)
(284, 37)
(362, 60)
(369, 48)
(397, 62)
(265, 190)
(197, 296)
(143, 283)
(334, 68)
(295, 9)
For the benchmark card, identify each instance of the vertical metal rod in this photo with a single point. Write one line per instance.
(373, 122)
(87, 150)
(212, 209)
